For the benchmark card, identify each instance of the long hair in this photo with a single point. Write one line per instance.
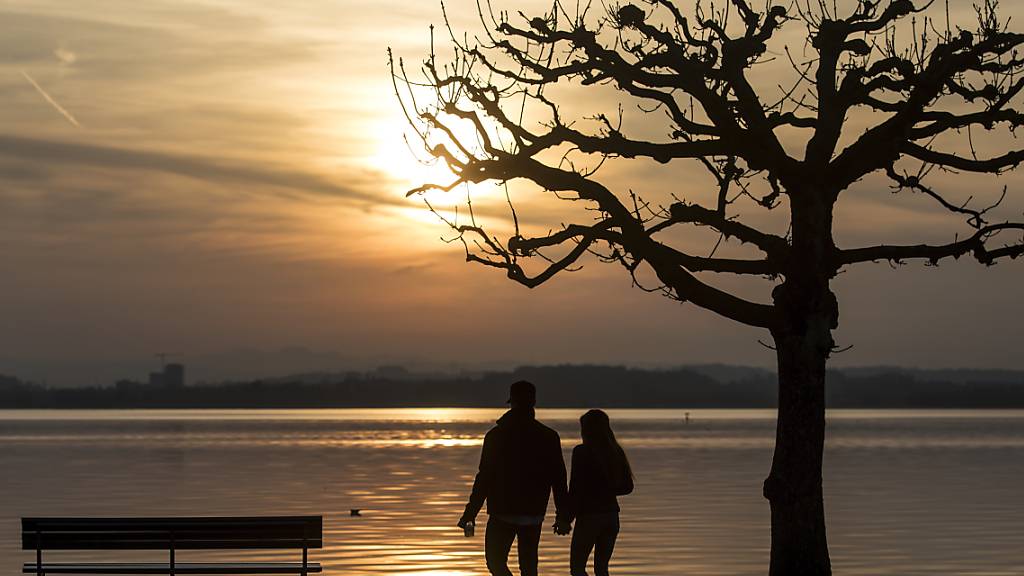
(596, 431)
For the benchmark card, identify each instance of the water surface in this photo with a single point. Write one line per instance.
(907, 492)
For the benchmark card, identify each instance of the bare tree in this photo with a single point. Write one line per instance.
(911, 76)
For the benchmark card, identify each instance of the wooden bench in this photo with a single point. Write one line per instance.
(172, 535)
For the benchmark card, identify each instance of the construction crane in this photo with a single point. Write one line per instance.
(163, 357)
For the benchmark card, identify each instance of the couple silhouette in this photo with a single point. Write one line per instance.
(521, 465)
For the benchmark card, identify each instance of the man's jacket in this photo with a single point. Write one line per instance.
(521, 464)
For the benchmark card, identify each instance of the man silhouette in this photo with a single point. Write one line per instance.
(520, 465)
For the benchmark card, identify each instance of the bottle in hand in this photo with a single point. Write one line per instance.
(469, 528)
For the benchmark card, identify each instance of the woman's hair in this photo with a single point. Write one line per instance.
(596, 431)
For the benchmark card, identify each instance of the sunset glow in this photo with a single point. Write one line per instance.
(470, 287)
(222, 177)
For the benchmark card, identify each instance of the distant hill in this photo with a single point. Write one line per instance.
(956, 375)
(710, 386)
(731, 373)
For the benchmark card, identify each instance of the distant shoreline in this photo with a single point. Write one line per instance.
(559, 387)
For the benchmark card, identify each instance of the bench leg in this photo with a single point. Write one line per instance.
(39, 555)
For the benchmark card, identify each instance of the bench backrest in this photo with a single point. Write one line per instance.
(201, 533)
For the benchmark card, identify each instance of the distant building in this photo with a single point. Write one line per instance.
(172, 376)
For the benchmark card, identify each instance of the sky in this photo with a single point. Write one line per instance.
(224, 181)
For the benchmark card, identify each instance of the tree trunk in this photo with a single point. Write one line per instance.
(794, 486)
(808, 312)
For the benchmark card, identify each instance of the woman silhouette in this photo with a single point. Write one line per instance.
(600, 472)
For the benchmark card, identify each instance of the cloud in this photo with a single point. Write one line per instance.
(56, 105)
(58, 155)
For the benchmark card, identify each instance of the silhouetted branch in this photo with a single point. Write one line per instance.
(774, 246)
(976, 245)
(990, 165)
(976, 218)
(920, 77)
(525, 247)
(691, 65)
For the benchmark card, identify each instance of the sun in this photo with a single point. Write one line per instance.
(400, 153)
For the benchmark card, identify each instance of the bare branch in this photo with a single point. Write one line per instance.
(991, 165)
(975, 218)
(689, 66)
(976, 245)
(775, 246)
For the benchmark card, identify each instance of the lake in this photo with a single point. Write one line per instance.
(907, 492)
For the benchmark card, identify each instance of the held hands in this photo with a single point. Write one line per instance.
(562, 527)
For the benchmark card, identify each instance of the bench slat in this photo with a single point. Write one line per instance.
(283, 524)
(179, 568)
(164, 544)
(195, 533)
(248, 531)
(56, 522)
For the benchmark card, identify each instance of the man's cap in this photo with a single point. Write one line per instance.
(523, 393)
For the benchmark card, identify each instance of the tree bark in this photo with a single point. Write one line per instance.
(794, 486)
(807, 313)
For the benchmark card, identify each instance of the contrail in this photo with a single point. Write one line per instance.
(50, 99)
